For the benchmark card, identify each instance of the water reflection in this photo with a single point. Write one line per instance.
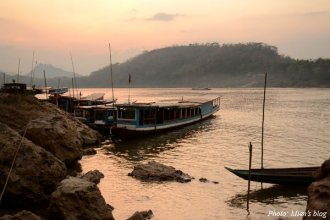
(151, 146)
(275, 194)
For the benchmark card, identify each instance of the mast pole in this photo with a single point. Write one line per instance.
(74, 76)
(263, 122)
(249, 181)
(113, 97)
(129, 89)
(19, 65)
(31, 80)
(45, 84)
(72, 87)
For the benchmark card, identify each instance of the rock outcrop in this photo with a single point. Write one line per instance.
(22, 215)
(155, 171)
(35, 174)
(57, 135)
(93, 176)
(47, 126)
(77, 198)
(318, 204)
(89, 151)
(51, 139)
(143, 215)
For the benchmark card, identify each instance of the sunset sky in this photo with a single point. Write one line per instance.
(54, 28)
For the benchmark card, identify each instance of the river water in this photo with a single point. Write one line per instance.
(297, 124)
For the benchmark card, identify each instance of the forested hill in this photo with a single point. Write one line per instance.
(214, 65)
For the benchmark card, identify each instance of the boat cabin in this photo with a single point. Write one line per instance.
(97, 115)
(15, 88)
(148, 116)
(66, 103)
(104, 115)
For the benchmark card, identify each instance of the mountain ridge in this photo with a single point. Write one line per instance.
(208, 65)
(214, 65)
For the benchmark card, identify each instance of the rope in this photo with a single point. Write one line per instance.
(12, 165)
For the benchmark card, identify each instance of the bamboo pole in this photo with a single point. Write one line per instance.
(31, 80)
(263, 122)
(248, 192)
(113, 97)
(74, 76)
(72, 87)
(129, 89)
(4, 80)
(19, 66)
(45, 84)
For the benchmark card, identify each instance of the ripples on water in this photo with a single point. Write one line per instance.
(297, 123)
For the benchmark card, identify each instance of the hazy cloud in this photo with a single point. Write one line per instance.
(4, 20)
(132, 15)
(6, 47)
(161, 16)
(316, 13)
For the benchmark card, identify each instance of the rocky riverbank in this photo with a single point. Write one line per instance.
(45, 142)
(318, 204)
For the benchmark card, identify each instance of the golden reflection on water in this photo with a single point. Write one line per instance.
(296, 126)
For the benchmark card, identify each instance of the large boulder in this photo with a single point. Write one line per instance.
(93, 176)
(22, 215)
(143, 215)
(155, 171)
(77, 198)
(48, 126)
(35, 174)
(58, 135)
(318, 204)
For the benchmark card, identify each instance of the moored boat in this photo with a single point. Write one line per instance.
(98, 117)
(144, 118)
(281, 176)
(58, 91)
(197, 88)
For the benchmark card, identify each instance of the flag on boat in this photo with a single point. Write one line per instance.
(129, 79)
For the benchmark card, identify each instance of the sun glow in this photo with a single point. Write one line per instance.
(86, 27)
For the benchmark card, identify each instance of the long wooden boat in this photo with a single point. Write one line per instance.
(58, 91)
(146, 118)
(281, 176)
(98, 117)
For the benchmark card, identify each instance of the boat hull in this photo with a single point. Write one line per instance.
(125, 133)
(281, 176)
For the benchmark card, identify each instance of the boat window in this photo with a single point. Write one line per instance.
(99, 115)
(126, 113)
(78, 113)
(169, 114)
(147, 116)
(184, 113)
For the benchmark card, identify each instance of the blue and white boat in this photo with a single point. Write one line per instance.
(144, 118)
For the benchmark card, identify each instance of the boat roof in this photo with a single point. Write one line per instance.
(86, 107)
(94, 96)
(177, 104)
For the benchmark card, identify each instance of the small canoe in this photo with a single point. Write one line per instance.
(281, 176)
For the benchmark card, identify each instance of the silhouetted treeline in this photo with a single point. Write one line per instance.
(213, 65)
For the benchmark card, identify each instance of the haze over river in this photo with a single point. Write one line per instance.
(297, 125)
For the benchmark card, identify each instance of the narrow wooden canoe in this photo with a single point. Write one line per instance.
(281, 176)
